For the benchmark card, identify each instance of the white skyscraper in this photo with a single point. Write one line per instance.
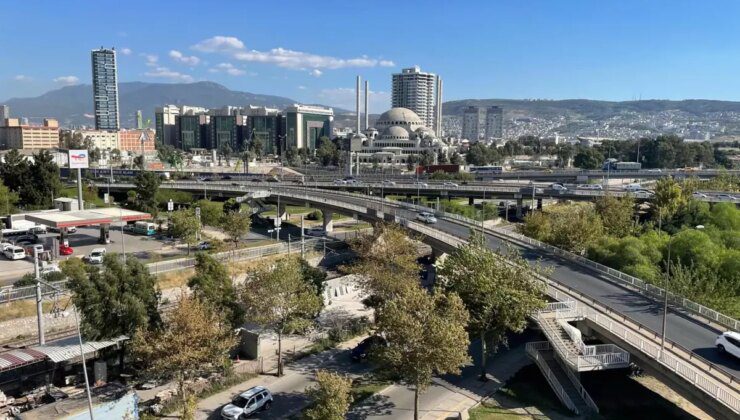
(105, 89)
(420, 92)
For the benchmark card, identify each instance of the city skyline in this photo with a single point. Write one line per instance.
(665, 50)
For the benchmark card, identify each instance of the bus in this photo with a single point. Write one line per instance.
(484, 170)
(144, 228)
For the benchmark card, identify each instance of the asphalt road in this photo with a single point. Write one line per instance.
(681, 329)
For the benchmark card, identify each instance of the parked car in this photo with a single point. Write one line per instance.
(15, 253)
(450, 185)
(426, 217)
(30, 249)
(729, 342)
(50, 268)
(248, 402)
(365, 347)
(558, 187)
(5, 245)
(96, 256)
(65, 250)
(316, 231)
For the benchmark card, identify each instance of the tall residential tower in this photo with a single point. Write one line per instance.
(105, 89)
(420, 92)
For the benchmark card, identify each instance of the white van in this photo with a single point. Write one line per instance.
(633, 187)
(15, 253)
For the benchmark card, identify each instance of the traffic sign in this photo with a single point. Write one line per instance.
(170, 205)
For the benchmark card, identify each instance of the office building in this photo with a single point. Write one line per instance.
(222, 130)
(494, 123)
(105, 89)
(191, 131)
(474, 123)
(4, 114)
(130, 141)
(164, 124)
(420, 92)
(305, 125)
(15, 135)
(266, 125)
(103, 140)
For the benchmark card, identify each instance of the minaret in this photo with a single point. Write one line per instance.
(357, 106)
(367, 111)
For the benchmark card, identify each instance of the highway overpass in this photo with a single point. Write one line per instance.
(619, 309)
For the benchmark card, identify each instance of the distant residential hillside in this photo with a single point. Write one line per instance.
(592, 109)
(71, 104)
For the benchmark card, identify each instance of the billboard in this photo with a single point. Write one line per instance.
(78, 159)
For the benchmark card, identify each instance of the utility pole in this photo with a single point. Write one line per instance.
(80, 204)
(303, 240)
(39, 303)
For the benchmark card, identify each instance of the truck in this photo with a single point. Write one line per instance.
(615, 165)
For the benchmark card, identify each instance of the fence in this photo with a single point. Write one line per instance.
(534, 350)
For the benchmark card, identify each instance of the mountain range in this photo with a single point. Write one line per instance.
(72, 105)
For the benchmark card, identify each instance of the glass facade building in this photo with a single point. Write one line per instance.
(105, 89)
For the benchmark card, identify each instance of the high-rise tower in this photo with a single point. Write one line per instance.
(105, 89)
(420, 92)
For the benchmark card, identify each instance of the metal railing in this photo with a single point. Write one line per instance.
(534, 349)
(579, 386)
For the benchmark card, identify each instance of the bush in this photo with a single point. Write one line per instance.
(315, 215)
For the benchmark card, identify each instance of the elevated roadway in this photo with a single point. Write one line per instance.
(628, 314)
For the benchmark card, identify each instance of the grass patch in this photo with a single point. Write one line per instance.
(488, 411)
(27, 308)
(530, 388)
(365, 387)
(173, 279)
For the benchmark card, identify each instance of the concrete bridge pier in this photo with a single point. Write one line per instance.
(539, 204)
(104, 233)
(471, 201)
(328, 220)
(281, 212)
(519, 205)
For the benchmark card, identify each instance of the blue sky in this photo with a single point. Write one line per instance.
(311, 51)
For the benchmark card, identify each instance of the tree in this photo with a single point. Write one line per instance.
(15, 171)
(42, 181)
(478, 155)
(231, 205)
(500, 291)
(426, 336)
(457, 159)
(442, 157)
(314, 276)
(387, 264)
(184, 226)
(235, 225)
(115, 300)
(212, 284)
(139, 162)
(330, 397)
(616, 214)
(71, 140)
(8, 200)
(210, 212)
(193, 340)
(226, 151)
(147, 184)
(279, 299)
(426, 158)
(327, 152)
(669, 198)
(588, 158)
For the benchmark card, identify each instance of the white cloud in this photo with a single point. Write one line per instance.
(67, 80)
(88, 116)
(283, 57)
(151, 59)
(227, 68)
(345, 98)
(316, 73)
(219, 43)
(22, 78)
(166, 73)
(184, 59)
(302, 87)
(126, 51)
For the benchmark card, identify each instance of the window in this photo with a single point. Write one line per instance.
(733, 341)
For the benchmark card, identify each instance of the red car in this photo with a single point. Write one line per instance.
(65, 250)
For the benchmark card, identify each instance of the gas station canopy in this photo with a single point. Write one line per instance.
(79, 218)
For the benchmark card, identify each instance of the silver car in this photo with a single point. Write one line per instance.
(248, 402)
(426, 217)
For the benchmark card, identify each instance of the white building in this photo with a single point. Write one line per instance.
(103, 140)
(420, 92)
